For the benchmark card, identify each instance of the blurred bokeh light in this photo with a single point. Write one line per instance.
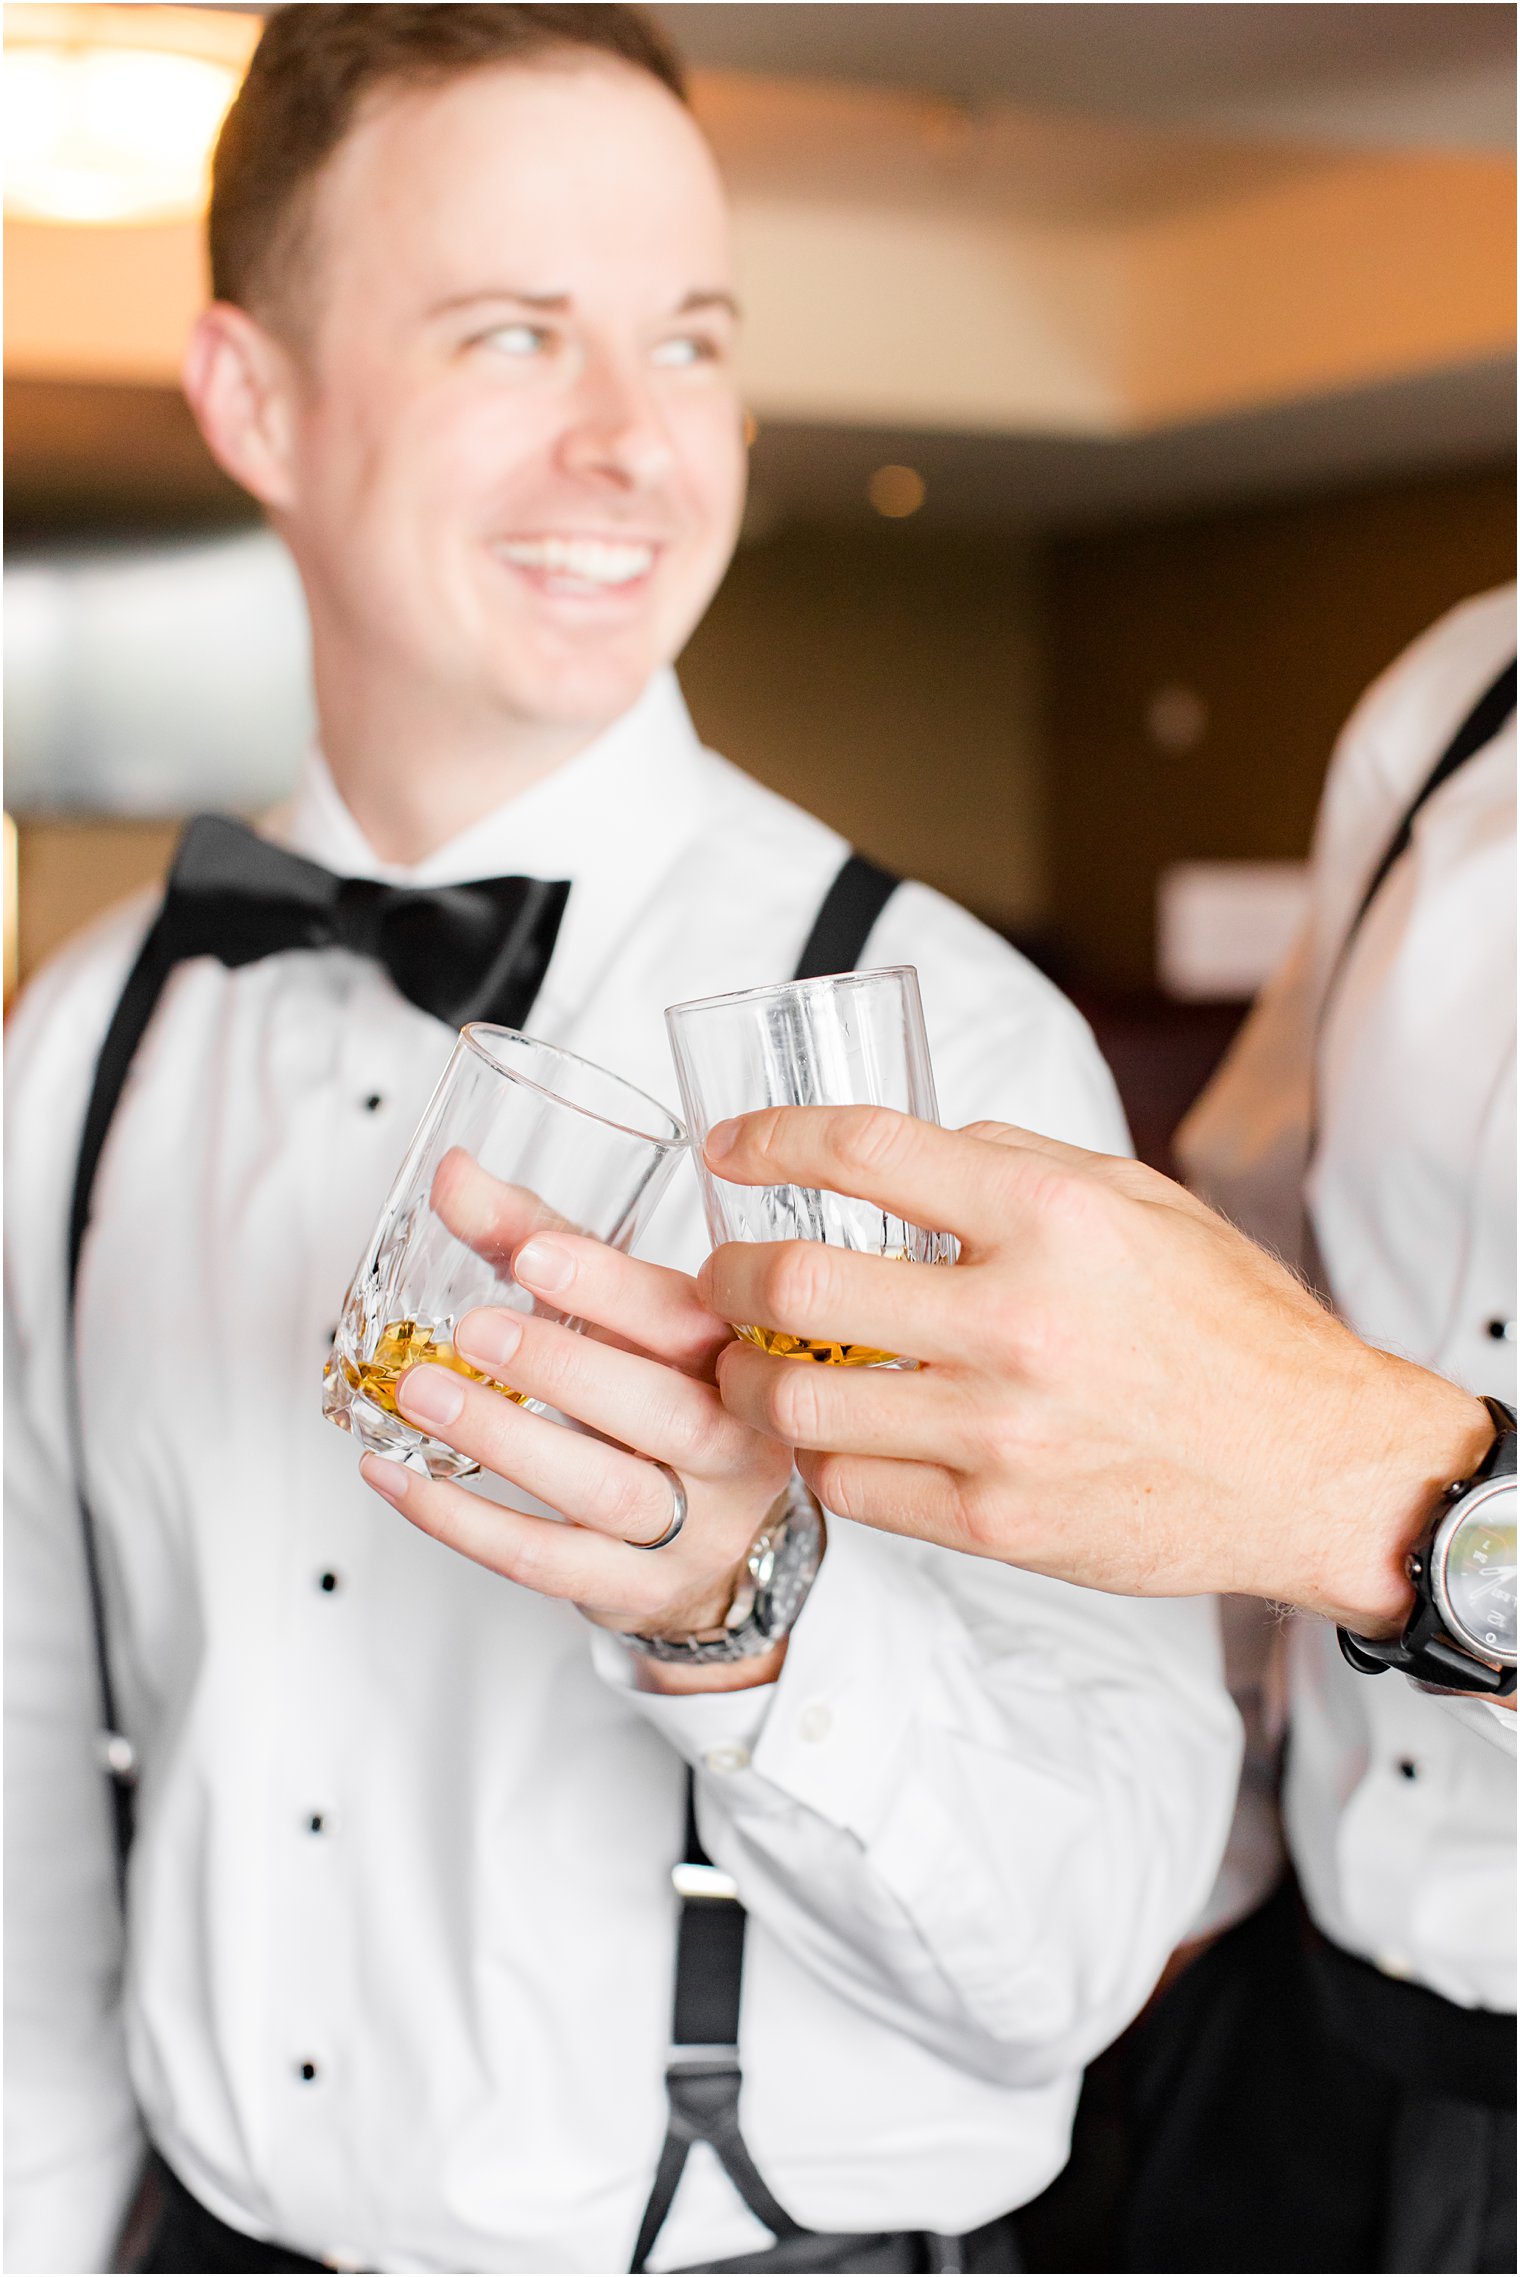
(1131, 384)
(896, 491)
(110, 113)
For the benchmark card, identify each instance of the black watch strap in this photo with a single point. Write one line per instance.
(1500, 1461)
(1424, 1649)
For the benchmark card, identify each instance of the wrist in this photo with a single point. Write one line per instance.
(1426, 1433)
(771, 1588)
(716, 1676)
(707, 1608)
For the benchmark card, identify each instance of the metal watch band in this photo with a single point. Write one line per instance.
(1424, 1650)
(779, 1571)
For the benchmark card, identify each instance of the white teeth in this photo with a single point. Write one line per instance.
(591, 561)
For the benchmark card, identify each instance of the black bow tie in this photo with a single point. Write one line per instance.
(462, 952)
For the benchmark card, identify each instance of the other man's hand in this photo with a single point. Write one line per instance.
(1116, 1387)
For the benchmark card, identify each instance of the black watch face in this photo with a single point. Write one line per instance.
(1475, 1583)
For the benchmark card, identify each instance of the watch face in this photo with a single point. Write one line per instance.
(1475, 1577)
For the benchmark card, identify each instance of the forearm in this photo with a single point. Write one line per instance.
(1120, 1388)
(956, 1816)
(72, 2137)
(73, 2140)
(705, 1612)
(73, 2155)
(736, 1676)
(750, 1613)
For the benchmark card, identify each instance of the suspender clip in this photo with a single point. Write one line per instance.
(118, 1756)
(691, 2058)
(692, 1881)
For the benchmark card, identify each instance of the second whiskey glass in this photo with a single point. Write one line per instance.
(853, 1039)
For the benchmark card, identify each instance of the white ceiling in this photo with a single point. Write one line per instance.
(1443, 420)
(1116, 106)
(854, 143)
(1070, 113)
(1412, 75)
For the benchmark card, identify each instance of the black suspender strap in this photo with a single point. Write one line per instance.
(702, 2078)
(1477, 731)
(849, 909)
(135, 1008)
(710, 1947)
(129, 1023)
(702, 2074)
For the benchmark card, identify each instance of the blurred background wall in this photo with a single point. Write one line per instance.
(1133, 383)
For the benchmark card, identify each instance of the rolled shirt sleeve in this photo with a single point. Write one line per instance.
(1486, 1718)
(977, 1804)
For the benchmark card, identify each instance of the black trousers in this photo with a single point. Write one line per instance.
(175, 2232)
(170, 2230)
(1243, 2124)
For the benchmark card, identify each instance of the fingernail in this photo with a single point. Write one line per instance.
(386, 1475)
(720, 1139)
(488, 1337)
(543, 1265)
(430, 1395)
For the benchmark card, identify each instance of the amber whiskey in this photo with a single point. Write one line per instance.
(784, 1347)
(407, 1344)
(835, 1355)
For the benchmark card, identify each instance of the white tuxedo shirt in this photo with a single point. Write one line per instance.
(968, 1821)
(1399, 1806)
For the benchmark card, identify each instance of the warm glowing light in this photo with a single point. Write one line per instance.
(896, 491)
(110, 113)
(12, 914)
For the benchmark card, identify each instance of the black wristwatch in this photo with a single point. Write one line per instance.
(1461, 1635)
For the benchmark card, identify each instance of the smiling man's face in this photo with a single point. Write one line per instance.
(517, 464)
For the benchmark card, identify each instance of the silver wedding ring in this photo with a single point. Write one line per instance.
(677, 1511)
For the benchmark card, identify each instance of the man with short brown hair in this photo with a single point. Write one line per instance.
(312, 73)
(396, 1984)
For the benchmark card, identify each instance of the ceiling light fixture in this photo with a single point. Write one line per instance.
(110, 112)
(896, 491)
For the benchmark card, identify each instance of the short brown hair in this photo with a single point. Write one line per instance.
(311, 71)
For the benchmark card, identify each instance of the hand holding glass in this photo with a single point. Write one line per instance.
(849, 1039)
(579, 1149)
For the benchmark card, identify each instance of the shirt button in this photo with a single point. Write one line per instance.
(1396, 1965)
(373, 1103)
(306, 2071)
(1408, 1768)
(729, 1758)
(315, 1823)
(1502, 1331)
(816, 1722)
(327, 1582)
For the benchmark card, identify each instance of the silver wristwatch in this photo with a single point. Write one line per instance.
(778, 1572)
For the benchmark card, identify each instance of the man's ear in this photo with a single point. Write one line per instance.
(241, 384)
